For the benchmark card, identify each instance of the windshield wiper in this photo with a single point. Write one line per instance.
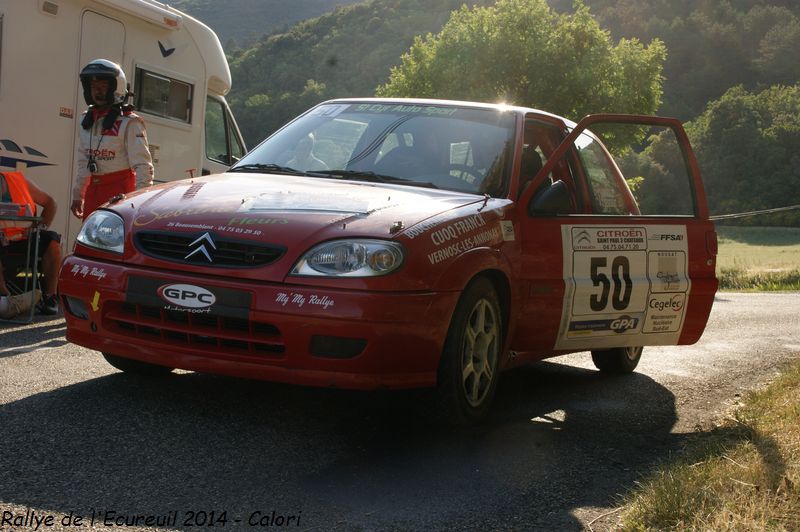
(266, 167)
(372, 177)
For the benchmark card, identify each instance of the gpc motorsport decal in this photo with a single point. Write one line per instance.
(188, 298)
(623, 282)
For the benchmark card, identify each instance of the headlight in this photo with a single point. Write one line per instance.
(103, 230)
(351, 258)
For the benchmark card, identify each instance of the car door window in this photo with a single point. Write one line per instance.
(606, 194)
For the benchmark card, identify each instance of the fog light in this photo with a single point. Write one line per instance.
(336, 346)
(76, 307)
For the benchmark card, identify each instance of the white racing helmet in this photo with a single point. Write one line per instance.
(105, 69)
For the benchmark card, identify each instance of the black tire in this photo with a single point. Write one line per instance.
(618, 360)
(137, 367)
(467, 376)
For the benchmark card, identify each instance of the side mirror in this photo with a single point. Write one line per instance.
(550, 200)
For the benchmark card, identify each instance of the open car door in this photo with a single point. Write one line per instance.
(638, 251)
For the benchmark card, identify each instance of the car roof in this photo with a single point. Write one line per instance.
(456, 103)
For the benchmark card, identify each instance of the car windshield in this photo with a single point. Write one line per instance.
(463, 149)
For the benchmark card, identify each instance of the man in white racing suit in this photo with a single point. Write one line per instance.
(113, 155)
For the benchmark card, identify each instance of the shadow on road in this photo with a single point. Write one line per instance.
(559, 438)
(16, 339)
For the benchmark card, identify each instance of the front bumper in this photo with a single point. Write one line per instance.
(292, 334)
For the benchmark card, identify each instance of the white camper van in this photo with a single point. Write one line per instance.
(174, 64)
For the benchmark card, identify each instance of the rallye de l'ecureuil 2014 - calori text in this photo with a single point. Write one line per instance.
(397, 243)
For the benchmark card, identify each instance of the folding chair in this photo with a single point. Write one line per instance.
(21, 271)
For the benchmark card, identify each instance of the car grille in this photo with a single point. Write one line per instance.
(210, 336)
(228, 253)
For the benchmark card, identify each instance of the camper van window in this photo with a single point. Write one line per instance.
(237, 149)
(222, 143)
(163, 96)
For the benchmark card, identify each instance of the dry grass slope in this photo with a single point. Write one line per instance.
(743, 474)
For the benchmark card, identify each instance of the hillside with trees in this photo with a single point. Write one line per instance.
(345, 53)
(730, 72)
(748, 146)
(712, 45)
(241, 23)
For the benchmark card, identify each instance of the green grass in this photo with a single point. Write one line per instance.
(743, 474)
(758, 258)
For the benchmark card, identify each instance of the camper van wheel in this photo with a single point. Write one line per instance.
(618, 360)
(128, 365)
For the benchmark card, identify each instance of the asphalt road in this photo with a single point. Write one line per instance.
(562, 443)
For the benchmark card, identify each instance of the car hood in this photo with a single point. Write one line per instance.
(286, 210)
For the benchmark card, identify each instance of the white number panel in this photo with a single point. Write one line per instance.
(625, 285)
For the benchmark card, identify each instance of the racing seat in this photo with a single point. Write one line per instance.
(529, 166)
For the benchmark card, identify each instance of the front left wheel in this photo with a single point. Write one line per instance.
(468, 368)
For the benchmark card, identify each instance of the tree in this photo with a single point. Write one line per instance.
(748, 148)
(713, 44)
(522, 52)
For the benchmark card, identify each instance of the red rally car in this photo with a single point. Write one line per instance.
(401, 243)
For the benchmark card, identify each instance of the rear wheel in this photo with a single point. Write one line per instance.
(617, 360)
(468, 368)
(128, 365)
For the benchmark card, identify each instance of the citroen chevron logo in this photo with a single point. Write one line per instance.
(582, 237)
(203, 241)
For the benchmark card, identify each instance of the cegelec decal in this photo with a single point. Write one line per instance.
(674, 303)
(186, 295)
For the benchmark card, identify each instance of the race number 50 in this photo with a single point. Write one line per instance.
(620, 279)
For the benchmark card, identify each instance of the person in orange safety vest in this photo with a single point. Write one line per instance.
(16, 191)
(113, 154)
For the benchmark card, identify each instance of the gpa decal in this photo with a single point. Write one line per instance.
(618, 325)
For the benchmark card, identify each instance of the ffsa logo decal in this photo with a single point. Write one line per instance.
(186, 295)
